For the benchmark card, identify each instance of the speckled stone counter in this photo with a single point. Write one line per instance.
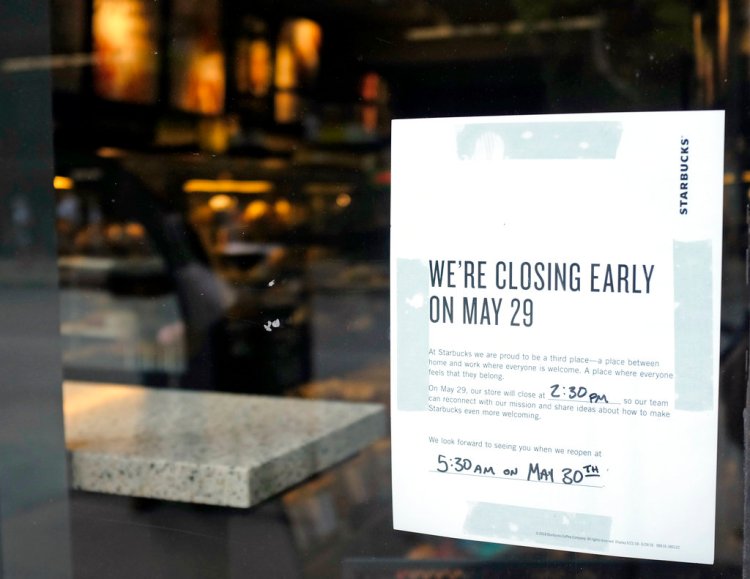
(210, 448)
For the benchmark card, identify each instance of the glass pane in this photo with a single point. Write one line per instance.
(221, 201)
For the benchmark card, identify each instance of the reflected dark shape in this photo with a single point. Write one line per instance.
(203, 300)
(229, 346)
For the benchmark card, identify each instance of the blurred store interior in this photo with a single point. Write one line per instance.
(222, 207)
(252, 145)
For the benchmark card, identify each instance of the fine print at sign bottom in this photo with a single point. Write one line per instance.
(555, 300)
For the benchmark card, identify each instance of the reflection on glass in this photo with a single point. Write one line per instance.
(197, 57)
(298, 54)
(287, 107)
(213, 135)
(253, 67)
(286, 73)
(125, 46)
(203, 90)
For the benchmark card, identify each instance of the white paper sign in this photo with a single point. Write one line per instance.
(555, 330)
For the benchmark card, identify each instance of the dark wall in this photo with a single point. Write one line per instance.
(34, 524)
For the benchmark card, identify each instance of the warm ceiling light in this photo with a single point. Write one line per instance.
(226, 186)
(382, 178)
(221, 203)
(283, 208)
(259, 72)
(370, 86)
(274, 163)
(490, 29)
(63, 183)
(746, 177)
(306, 39)
(286, 74)
(255, 210)
(135, 230)
(328, 188)
(109, 152)
(344, 200)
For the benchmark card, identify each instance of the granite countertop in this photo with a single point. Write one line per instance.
(206, 447)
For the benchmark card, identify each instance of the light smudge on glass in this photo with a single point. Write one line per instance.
(560, 140)
(693, 335)
(413, 331)
(502, 523)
